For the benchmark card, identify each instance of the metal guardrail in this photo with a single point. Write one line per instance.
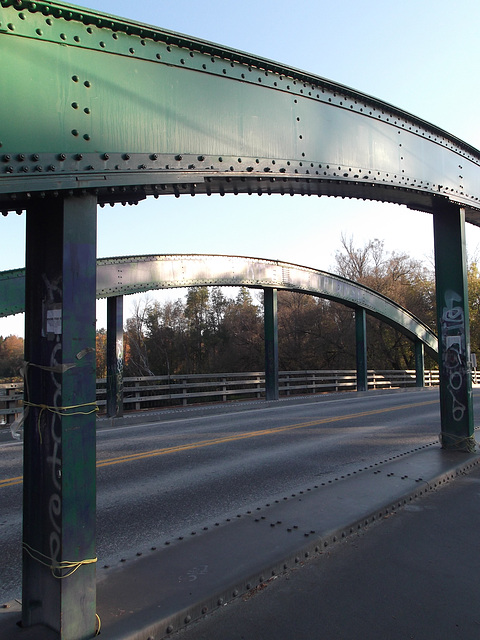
(183, 389)
(11, 400)
(157, 391)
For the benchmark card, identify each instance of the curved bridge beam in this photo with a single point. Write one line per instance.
(134, 274)
(193, 117)
(196, 117)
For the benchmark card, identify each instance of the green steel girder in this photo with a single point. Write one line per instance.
(196, 117)
(134, 274)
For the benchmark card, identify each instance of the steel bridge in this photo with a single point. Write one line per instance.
(194, 117)
(121, 276)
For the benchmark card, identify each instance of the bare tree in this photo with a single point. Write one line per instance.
(137, 363)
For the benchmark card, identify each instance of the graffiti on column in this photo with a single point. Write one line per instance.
(53, 332)
(55, 460)
(454, 358)
(119, 372)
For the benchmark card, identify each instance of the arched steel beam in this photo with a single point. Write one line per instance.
(197, 117)
(134, 274)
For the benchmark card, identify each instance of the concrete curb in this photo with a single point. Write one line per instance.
(209, 570)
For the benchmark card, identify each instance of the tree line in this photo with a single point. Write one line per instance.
(209, 331)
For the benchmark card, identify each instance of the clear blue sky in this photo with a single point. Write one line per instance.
(419, 55)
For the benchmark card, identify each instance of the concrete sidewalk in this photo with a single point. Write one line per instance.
(413, 576)
(387, 554)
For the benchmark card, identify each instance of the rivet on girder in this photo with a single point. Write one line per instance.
(61, 156)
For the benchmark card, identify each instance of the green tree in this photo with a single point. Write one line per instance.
(166, 337)
(474, 307)
(197, 313)
(11, 356)
(243, 327)
(101, 353)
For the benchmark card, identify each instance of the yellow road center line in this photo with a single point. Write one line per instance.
(234, 438)
(8, 482)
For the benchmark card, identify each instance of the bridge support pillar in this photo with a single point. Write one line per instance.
(419, 364)
(361, 348)
(60, 417)
(271, 344)
(453, 328)
(115, 356)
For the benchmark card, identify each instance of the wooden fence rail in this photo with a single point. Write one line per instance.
(183, 389)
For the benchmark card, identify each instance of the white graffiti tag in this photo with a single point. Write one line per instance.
(454, 350)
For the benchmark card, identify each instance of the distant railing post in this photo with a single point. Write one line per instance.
(271, 343)
(184, 392)
(137, 385)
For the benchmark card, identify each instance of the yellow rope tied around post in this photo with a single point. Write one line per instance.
(65, 568)
(57, 568)
(65, 565)
(61, 411)
(457, 443)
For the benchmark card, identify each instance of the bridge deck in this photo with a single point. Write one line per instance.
(155, 595)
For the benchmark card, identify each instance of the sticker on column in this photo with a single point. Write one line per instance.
(54, 320)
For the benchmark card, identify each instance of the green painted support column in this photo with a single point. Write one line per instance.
(115, 356)
(361, 348)
(60, 415)
(453, 328)
(419, 364)
(271, 344)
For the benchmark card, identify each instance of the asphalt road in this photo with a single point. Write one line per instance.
(162, 480)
